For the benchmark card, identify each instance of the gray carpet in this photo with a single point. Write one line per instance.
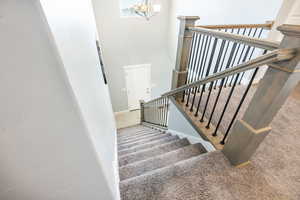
(273, 174)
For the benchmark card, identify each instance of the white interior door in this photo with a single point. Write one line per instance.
(138, 84)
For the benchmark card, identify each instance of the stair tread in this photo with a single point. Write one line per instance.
(159, 161)
(127, 136)
(167, 182)
(138, 137)
(148, 145)
(143, 141)
(150, 152)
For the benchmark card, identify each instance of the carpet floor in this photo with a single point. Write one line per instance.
(169, 168)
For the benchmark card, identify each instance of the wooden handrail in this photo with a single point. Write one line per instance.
(274, 56)
(266, 26)
(255, 42)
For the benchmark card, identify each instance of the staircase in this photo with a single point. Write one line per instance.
(149, 157)
(214, 88)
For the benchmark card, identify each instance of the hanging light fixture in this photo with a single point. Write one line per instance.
(146, 9)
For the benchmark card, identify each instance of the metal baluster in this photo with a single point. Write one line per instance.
(239, 106)
(226, 104)
(244, 60)
(212, 83)
(189, 64)
(200, 67)
(192, 72)
(235, 55)
(207, 51)
(202, 51)
(215, 104)
(198, 58)
(193, 101)
(192, 57)
(251, 54)
(207, 72)
(224, 56)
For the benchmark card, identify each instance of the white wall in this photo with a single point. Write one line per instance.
(51, 125)
(289, 13)
(219, 12)
(132, 41)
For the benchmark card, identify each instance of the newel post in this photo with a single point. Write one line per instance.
(142, 102)
(274, 88)
(183, 47)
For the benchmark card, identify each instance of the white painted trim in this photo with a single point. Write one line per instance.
(121, 112)
(136, 66)
(193, 139)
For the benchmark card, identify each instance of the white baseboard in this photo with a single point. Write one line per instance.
(121, 112)
(193, 140)
(116, 170)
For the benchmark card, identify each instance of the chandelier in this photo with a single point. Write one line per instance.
(146, 9)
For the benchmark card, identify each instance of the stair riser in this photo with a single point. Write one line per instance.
(145, 141)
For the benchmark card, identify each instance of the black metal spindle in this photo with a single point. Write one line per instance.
(244, 60)
(192, 67)
(195, 59)
(212, 83)
(234, 57)
(226, 104)
(201, 58)
(193, 101)
(205, 54)
(239, 106)
(207, 72)
(230, 59)
(253, 49)
(207, 47)
(189, 63)
(215, 104)
(227, 43)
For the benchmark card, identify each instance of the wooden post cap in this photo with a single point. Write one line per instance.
(290, 30)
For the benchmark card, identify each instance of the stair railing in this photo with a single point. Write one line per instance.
(241, 137)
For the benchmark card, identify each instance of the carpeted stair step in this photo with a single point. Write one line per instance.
(141, 167)
(148, 145)
(133, 129)
(143, 141)
(151, 152)
(183, 180)
(137, 137)
(125, 136)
